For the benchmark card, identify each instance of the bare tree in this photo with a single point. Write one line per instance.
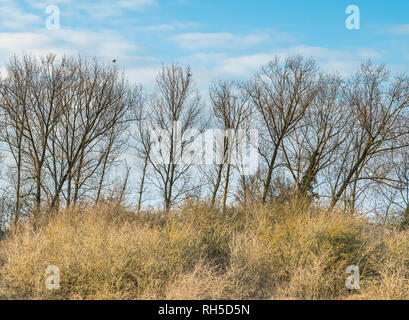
(12, 135)
(31, 101)
(314, 145)
(174, 111)
(377, 106)
(231, 111)
(392, 191)
(141, 142)
(64, 121)
(281, 92)
(89, 135)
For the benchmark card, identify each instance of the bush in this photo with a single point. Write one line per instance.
(101, 254)
(281, 251)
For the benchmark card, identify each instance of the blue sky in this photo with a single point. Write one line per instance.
(218, 39)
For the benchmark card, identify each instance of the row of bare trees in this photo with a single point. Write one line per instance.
(67, 123)
(62, 127)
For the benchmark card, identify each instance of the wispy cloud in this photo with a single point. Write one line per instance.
(210, 66)
(102, 44)
(402, 29)
(137, 4)
(13, 17)
(95, 8)
(194, 41)
(168, 27)
(341, 61)
(141, 35)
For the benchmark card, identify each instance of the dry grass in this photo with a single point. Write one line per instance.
(276, 252)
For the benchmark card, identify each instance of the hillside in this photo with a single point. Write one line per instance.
(270, 252)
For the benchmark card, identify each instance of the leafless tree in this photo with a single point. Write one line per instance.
(174, 111)
(281, 93)
(377, 107)
(64, 121)
(231, 111)
(89, 134)
(314, 144)
(31, 99)
(141, 142)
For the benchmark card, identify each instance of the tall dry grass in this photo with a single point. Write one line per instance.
(279, 251)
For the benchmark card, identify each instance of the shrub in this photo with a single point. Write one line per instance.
(279, 251)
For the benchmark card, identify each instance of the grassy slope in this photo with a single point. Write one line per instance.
(276, 252)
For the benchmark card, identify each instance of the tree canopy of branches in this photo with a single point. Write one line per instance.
(67, 123)
(63, 122)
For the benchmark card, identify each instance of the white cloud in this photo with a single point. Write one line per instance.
(137, 4)
(167, 27)
(104, 45)
(342, 61)
(159, 27)
(399, 29)
(193, 41)
(43, 3)
(210, 66)
(369, 54)
(144, 75)
(244, 65)
(98, 9)
(3, 72)
(212, 56)
(12, 17)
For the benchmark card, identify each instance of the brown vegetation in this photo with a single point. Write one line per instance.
(274, 252)
(332, 150)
